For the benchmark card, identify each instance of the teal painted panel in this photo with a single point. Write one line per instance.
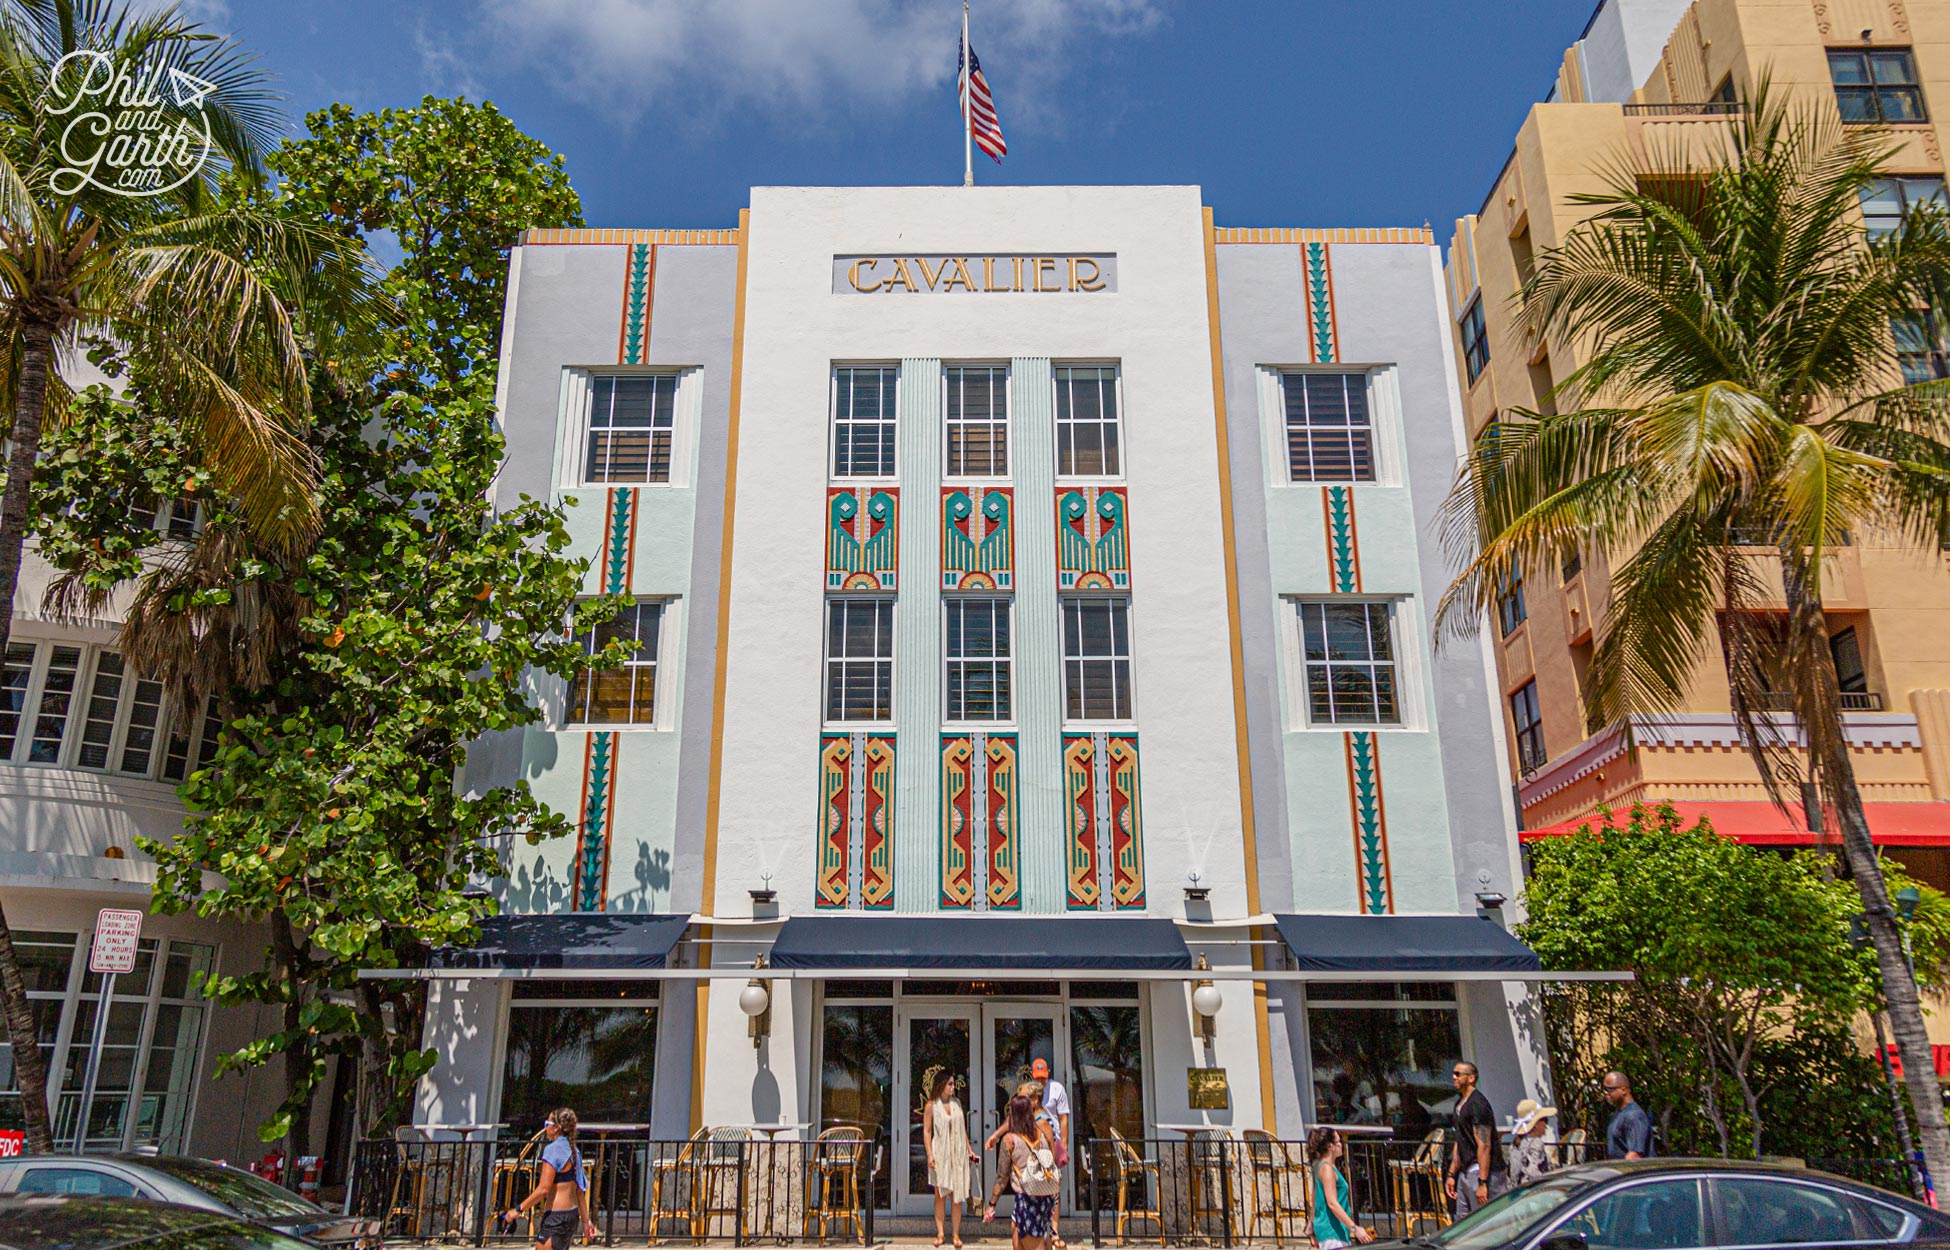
(917, 642)
(1321, 829)
(1039, 665)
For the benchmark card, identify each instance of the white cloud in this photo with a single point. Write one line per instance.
(794, 60)
(211, 14)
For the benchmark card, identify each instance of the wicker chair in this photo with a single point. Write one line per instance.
(667, 1188)
(418, 1183)
(1209, 1163)
(1420, 1173)
(1133, 1169)
(833, 1180)
(1570, 1149)
(1272, 1161)
(716, 1177)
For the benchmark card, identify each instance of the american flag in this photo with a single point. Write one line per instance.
(977, 105)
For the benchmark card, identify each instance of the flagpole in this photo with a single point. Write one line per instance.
(967, 112)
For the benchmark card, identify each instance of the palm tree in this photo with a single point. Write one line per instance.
(197, 287)
(1742, 389)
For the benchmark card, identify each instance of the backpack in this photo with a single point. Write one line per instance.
(1038, 1177)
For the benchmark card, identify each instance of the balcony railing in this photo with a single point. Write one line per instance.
(1852, 701)
(1703, 108)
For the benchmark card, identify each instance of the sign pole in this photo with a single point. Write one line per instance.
(967, 111)
(94, 1059)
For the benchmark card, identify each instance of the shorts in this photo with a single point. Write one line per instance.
(1031, 1216)
(559, 1228)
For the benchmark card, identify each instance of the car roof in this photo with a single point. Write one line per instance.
(70, 1222)
(1749, 1167)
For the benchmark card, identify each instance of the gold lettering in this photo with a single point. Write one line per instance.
(1017, 262)
(988, 275)
(901, 275)
(960, 275)
(853, 274)
(1049, 263)
(1095, 282)
(927, 278)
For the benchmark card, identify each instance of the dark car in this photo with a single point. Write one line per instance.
(191, 1183)
(67, 1222)
(1691, 1204)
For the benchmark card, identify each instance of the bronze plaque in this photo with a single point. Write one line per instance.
(1206, 1087)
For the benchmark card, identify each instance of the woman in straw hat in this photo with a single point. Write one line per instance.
(1529, 1157)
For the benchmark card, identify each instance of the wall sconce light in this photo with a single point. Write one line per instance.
(755, 1000)
(1490, 900)
(764, 895)
(1206, 1001)
(1194, 892)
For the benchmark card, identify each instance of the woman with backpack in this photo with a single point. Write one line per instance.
(563, 1184)
(1031, 1173)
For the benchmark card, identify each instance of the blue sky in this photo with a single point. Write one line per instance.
(1287, 112)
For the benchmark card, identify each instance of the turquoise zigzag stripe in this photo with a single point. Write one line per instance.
(634, 306)
(1367, 813)
(1340, 513)
(592, 854)
(616, 560)
(1323, 314)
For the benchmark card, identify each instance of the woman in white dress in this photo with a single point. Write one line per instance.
(944, 1139)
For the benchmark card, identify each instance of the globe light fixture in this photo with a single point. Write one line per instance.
(1206, 1001)
(755, 1000)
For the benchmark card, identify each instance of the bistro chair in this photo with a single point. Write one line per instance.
(667, 1190)
(1133, 1169)
(833, 1180)
(1411, 1178)
(717, 1166)
(1570, 1149)
(1272, 1161)
(420, 1178)
(515, 1177)
(1208, 1161)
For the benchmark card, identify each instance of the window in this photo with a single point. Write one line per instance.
(863, 420)
(192, 739)
(75, 1180)
(1920, 349)
(625, 695)
(1847, 650)
(859, 659)
(1510, 610)
(13, 694)
(119, 719)
(1762, 1211)
(180, 519)
(979, 655)
(1088, 428)
(1329, 437)
(1097, 659)
(1528, 720)
(1652, 1216)
(1381, 1055)
(1475, 339)
(1886, 202)
(153, 1044)
(856, 1069)
(1349, 655)
(1726, 93)
(631, 422)
(978, 421)
(591, 1045)
(51, 715)
(1573, 562)
(1876, 85)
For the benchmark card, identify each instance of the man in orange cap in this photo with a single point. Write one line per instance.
(1056, 1101)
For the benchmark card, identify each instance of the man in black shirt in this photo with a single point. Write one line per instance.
(1476, 1172)
(1629, 1135)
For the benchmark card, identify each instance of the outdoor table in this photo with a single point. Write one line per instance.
(772, 1131)
(603, 1132)
(458, 1219)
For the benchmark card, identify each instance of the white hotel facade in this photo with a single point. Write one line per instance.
(1033, 592)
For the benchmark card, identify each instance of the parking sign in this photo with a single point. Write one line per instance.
(116, 935)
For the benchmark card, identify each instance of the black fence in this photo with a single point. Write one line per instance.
(724, 1185)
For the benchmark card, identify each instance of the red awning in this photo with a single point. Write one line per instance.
(1760, 823)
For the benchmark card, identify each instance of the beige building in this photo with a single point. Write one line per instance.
(1647, 75)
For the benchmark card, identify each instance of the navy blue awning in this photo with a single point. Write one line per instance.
(1053, 944)
(616, 941)
(1395, 944)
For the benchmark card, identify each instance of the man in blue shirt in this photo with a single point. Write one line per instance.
(1629, 1136)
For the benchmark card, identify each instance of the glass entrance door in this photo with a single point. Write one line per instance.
(932, 1039)
(1014, 1036)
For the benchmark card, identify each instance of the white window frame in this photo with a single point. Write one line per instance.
(951, 603)
(1384, 420)
(663, 698)
(833, 420)
(948, 423)
(1127, 721)
(1405, 631)
(119, 725)
(827, 660)
(576, 410)
(200, 743)
(1057, 423)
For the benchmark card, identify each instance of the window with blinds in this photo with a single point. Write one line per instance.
(979, 658)
(859, 659)
(977, 415)
(1329, 429)
(1089, 430)
(864, 406)
(1097, 658)
(632, 422)
(626, 695)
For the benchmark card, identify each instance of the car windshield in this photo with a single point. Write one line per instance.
(250, 1196)
(1505, 1217)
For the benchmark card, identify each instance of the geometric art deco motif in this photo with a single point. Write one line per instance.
(1104, 840)
(1092, 543)
(856, 821)
(979, 845)
(862, 537)
(978, 538)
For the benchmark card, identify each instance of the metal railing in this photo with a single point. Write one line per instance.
(1702, 108)
(1851, 700)
(718, 1186)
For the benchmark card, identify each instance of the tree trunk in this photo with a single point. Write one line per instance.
(37, 350)
(1827, 739)
(297, 1054)
(1896, 1106)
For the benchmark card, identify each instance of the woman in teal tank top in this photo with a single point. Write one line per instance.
(1333, 1226)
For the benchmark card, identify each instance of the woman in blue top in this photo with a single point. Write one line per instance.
(1333, 1226)
(563, 1185)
